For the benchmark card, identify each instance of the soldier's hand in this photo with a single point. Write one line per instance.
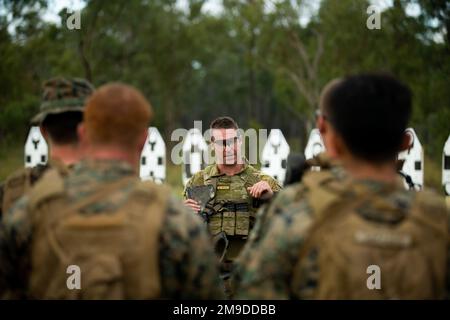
(191, 203)
(261, 190)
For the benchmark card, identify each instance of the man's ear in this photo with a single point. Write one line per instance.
(81, 132)
(321, 125)
(340, 148)
(142, 139)
(334, 145)
(44, 132)
(406, 142)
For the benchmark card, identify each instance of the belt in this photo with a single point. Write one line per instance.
(236, 207)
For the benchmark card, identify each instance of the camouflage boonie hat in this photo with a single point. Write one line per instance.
(63, 95)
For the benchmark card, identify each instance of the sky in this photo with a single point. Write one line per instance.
(211, 6)
(214, 7)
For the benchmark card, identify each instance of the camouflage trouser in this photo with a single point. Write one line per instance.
(225, 274)
(234, 247)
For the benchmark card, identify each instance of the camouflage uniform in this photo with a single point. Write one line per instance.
(188, 268)
(263, 217)
(282, 263)
(21, 181)
(62, 95)
(235, 210)
(59, 95)
(232, 190)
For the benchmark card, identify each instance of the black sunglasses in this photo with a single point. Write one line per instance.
(226, 142)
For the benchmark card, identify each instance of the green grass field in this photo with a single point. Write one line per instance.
(11, 158)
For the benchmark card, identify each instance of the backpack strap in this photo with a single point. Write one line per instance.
(251, 176)
(155, 206)
(51, 184)
(333, 212)
(16, 185)
(212, 180)
(426, 211)
(59, 189)
(319, 185)
(139, 219)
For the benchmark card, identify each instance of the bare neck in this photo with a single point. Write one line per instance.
(111, 153)
(385, 172)
(67, 154)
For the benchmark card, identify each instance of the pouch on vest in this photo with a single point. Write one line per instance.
(229, 219)
(242, 219)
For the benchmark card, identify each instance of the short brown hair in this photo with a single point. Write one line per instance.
(116, 114)
(224, 123)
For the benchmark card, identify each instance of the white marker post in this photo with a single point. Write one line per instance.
(194, 149)
(153, 157)
(36, 148)
(314, 146)
(446, 167)
(414, 163)
(274, 156)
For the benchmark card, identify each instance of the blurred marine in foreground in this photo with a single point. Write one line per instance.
(60, 113)
(101, 233)
(352, 231)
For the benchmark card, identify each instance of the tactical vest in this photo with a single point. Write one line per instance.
(411, 253)
(116, 252)
(235, 209)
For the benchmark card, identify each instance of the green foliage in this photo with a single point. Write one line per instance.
(254, 61)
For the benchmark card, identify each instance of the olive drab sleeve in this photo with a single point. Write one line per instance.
(274, 184)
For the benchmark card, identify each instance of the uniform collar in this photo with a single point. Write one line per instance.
(59, 165)
(105, 167)
(216, 173)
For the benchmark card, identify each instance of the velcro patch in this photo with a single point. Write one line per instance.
(384, 239)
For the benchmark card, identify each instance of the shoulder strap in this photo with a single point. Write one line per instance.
(213, 180)
(334, 211)
(54, 181)
(51, 184)
(15, 185)
(252, 176)
(106, 189)
(155, 209)
(425, 211)
(320, 195)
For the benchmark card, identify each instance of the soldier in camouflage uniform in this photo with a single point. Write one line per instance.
(352, 232)
(60, 113)
(238, 190)
(129, 239)
(263, 217)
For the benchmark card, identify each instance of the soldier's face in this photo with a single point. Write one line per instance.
(226, 145)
